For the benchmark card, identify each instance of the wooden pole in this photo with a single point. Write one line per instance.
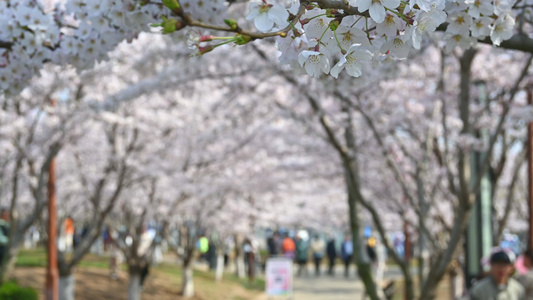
(530, 170)
(52, 274)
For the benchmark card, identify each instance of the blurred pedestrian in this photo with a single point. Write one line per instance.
(274, 244)
(4, 232)
(347, 253)
(288, 247)
(115, 260)
(499, 284)
(66, 238)
(332, 255)
(371, 249)
(527, 279)
(203, 246)
(144, 250)
(318, 247)
(302, 250)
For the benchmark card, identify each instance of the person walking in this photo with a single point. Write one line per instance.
(332, 255)
(4, 232)
(527, 279)
(203, 246)
(144, 250)
(288, 247)
(274, 245)
(347, 253)
(301, 255)
(318, 248)
(498, 285)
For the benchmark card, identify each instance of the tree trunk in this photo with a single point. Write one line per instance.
(364, 268)
(134, 288)
(66, 287)
(239, 258)
(66, 278)
(220, 266)
(423, 258)
(187, 288)
(353, 187)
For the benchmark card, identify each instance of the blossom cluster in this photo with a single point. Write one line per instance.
(76, 32)
(314, 39)
(329, 41)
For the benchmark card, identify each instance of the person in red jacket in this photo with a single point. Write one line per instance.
(288, 247)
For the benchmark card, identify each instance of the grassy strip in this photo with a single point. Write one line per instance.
(37, 258)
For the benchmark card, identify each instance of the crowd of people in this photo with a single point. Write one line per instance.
(302, 249)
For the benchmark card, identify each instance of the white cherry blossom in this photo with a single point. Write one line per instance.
(459, 23)
(502, 7)
(390, 25)
(348, 35)
(376, 8)
(454, 40)
(318, 26)
(397, 46)
(315, 63)
(480, 27)
(502, 29)
(476, 8)
(352, 61)
(426, 22)
(265, 15)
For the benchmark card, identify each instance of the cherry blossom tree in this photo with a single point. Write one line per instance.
(397, 137)
(33, 133)
(364, 38)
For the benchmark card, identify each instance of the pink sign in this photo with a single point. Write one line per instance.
(278, 276)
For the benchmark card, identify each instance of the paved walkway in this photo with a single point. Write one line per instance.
(310, 287)
(338, 287)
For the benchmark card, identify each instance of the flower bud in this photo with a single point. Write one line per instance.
(331, 13)
(231, 23)
(205, 49)
(171, 4)
(304, 21)
(242, 39)
(334, 24)
(205, 38)
(169, 25)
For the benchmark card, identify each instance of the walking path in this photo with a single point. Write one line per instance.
(338, 287)
(310, 287)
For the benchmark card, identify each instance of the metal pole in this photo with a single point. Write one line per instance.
(407, 249)
(478, 242)
(52, 274)
(530, 170)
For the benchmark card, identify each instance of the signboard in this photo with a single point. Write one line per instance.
(279, 276)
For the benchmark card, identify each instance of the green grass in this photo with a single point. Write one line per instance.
(38, 257)
(31, 258)
(12, 291)
(257, 285)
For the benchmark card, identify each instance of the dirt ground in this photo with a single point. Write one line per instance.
(94, 283)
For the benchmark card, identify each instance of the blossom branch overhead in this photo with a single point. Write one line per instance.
(316, 37)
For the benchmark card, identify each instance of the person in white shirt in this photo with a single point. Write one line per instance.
(318, 248)
(145, 242)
